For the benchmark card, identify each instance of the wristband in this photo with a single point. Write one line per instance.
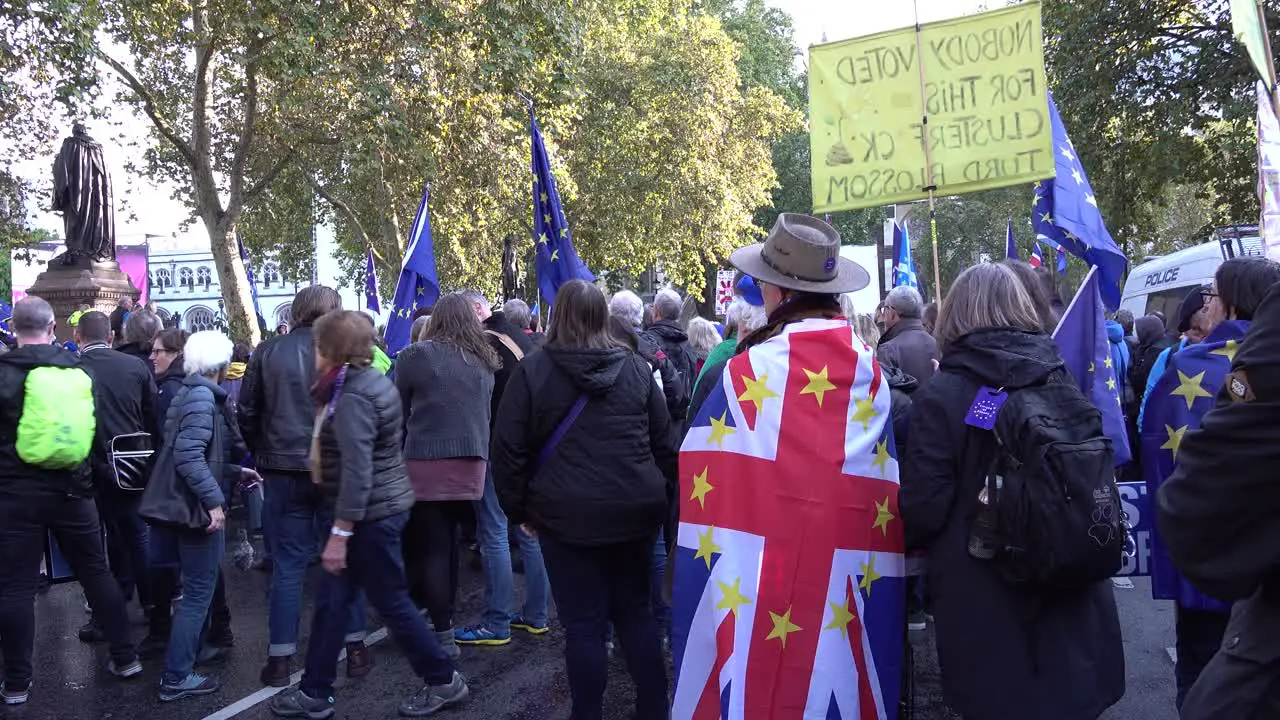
(339, 532)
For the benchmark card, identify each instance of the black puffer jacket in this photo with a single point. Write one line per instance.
(363, 466)
(1004, 653)
(613, 477)
(275, 412)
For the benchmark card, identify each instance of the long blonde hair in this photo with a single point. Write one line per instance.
(987, 295)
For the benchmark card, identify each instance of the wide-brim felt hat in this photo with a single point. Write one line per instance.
(801, 253)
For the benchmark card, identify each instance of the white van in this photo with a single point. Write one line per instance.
(1160, 284)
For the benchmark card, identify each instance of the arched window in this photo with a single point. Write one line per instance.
(164, 279)
(270, 274)
(186, 278)
(204, 276)
(284, 314)
(164, 316)
(200, 318)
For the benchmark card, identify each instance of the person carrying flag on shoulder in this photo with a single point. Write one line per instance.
(789, 590)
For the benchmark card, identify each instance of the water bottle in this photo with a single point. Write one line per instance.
(243, 554)
(982, 536)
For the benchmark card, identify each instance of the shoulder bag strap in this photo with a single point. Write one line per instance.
(508, 343)
(562, 429)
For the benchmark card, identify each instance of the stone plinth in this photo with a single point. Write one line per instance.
(98, 284)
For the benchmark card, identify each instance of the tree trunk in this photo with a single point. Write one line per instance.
(237, 299)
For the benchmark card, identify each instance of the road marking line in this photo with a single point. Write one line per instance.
(251, 701)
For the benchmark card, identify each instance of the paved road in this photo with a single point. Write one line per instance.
(522, 681)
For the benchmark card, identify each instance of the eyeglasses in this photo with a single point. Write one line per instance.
(1206, 294)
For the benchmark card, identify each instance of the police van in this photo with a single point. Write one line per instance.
(1161, 283)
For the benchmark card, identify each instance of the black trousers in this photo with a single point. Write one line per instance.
(74, 522)
(430, 549)
(594, 586)
(1199, 635)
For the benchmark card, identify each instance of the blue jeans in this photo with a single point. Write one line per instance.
(376, 566)
(199, 556)
(657, 569)
(499, 582)
(294, 510)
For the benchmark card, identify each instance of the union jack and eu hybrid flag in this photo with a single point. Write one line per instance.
(371, 296)
(904, 270)
(789, 592)
(418, 286)
(1081, 337)
(1175, 406)
(1065, 213)
(554, 257)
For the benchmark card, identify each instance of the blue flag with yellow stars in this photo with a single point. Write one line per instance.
(253, 284)
(1065, 213)
(1175, 406)
(554, 257)
(1081, 337)
(6, 314)
(418, 286)
(371, 296)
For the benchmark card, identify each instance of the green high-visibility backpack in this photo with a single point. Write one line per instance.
(57, 425)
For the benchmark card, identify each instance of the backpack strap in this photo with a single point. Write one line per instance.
(562, 429)
(508, 343)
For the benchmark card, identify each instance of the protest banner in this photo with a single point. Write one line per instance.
(724, 290)
(958, 105)
(1136, 505)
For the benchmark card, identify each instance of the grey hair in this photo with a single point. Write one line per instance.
(987, 295)
(31, 315)
(733, 314)
(626, 305)
(667, 304)
(475, 297)
(207, 353)
(753, 318)
(419, 327)
(142, 327)
(517, 312)
(703, 336)
(905, 301)
(865, 326)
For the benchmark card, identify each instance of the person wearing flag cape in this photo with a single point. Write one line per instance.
(789, 579)
(1175, 406)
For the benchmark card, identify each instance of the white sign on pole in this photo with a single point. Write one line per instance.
(724, 290)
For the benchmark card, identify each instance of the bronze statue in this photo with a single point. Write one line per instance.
(82, 193)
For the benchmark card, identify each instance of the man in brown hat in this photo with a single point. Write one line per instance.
(789, 570)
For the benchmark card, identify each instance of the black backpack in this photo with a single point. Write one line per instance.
(1057, 511)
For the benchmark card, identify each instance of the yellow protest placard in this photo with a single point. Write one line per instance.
(983, 94)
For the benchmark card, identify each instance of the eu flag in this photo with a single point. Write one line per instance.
(418, 285)
(1081, 337)
(253, 284)
(1010, 247)
(371, 297)
(904, 271)
(1065, 212)
(6, 314)
(554, 257)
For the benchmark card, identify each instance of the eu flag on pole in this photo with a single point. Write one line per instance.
(253, 284)
(1081, 337)
(554, 257)
(1010, 247)
(6, 314)
(371, 297)
(904, 271)
(1065, 212)
(418, 285)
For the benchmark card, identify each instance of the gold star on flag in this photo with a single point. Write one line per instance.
(700, 488)
(1091, 367)
(1190, 388)
(1046, 218)
(1111, 384)
(1228, 350)
(546, 217)
(543, 239)
(869, 575)
(707, 546)
(731, 597)
(1107, 362)
(840, 617)
(883, 516)
(543, 197)
(555, 254)
(865, 413)
(882, 454)
(782, 626)
(1175, 439)
(564, 233)
(720, 430)
(818, 385)
(757, 391)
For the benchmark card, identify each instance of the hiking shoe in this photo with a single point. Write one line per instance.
(15, 694)
(480, 635)
(276, 672)
(433, 698)
(519, 623)
(192, 685)
(126, 671)
(298, 704)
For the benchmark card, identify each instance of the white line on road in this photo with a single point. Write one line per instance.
(250, 701)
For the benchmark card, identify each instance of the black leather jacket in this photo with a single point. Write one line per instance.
(276, 414)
